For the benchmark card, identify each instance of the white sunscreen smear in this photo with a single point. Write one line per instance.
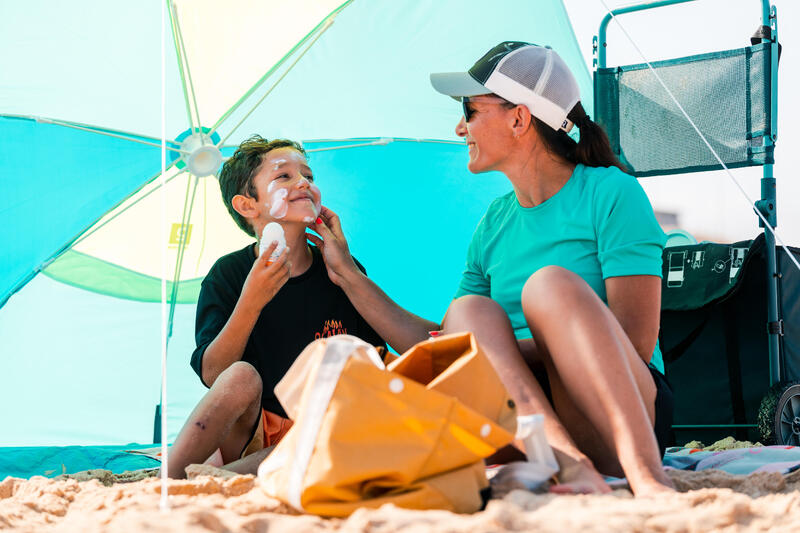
(272, 232)
(315, 192)
(279, 204)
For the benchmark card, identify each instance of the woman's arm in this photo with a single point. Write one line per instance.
(400, 328)
(636, 303)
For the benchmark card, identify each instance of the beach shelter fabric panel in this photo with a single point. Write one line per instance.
(81, 233)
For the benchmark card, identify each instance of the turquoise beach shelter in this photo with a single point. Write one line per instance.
(81, 231)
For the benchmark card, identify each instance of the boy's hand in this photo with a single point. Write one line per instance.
(334, 247)
(265, 279)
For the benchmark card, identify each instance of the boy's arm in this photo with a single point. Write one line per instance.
(263, 282)
(398, 327)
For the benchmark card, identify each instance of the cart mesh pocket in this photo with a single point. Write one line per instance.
(726, 94)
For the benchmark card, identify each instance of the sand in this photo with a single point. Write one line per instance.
(707, 501)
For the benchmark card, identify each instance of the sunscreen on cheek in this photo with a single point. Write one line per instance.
(272, 232)
(315, 192)
(279, 204)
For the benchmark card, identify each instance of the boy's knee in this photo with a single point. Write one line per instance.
(242, 380)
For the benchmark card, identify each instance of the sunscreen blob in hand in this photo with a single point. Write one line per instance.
(272, 232)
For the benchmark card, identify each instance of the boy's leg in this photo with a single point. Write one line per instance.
(224, 419)
(249, 464)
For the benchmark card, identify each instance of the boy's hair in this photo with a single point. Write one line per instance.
(236, 176)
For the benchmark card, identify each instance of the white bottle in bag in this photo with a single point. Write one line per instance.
(535, 473)
(530, 429)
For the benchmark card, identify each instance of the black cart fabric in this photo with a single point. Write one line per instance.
(714, 334)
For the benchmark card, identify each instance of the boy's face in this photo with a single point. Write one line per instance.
(285, 188)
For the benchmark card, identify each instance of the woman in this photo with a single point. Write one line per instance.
(572, 258)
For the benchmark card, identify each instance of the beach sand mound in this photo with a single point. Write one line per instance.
(709, 500)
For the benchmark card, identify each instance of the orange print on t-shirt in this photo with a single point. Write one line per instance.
(331, 328)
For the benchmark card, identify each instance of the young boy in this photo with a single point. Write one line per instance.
(254, 316)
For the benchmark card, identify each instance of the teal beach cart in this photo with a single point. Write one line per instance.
(729, 319)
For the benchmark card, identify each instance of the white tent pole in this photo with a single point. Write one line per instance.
(164, 500)
(185, 220)
(205, 225)
(750, 202)
(377, 142)
(180, 68)
(108, 134)
(392, 139)
(188, 70)
(288, 69)
(263, 78)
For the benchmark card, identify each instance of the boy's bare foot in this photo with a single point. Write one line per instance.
(249, 463)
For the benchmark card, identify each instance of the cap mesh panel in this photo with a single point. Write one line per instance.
(526, 67)
(561, 88)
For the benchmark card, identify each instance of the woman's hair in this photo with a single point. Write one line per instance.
(593, 149)
(238, 172)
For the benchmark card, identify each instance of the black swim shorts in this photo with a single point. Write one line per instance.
(662, 426)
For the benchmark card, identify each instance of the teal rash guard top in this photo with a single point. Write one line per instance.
(599, 225)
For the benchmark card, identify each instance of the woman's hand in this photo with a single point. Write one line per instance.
(333, 245)
(265, 279)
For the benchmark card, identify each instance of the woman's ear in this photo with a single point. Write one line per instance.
(522, 120)
(245, 206)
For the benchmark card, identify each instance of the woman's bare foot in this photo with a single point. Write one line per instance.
(651, 485)
(579, 477)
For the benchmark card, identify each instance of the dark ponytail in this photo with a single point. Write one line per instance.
(593, 149)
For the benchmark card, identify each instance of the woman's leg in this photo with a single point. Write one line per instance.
(492, 329)
(224, 419)
(593, 364)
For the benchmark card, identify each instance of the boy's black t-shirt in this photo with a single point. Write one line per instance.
(307, 307)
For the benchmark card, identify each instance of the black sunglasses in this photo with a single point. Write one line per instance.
(469, 112)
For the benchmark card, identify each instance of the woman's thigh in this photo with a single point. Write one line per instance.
(577, 334)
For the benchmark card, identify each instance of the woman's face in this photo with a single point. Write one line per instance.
(487, 132)
(285, 187)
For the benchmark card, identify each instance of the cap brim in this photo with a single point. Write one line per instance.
(457, 84)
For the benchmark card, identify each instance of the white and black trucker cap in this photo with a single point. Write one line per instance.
(522, 73)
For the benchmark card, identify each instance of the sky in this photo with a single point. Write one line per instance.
(708, 204)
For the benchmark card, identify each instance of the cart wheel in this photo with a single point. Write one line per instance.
(779, 414)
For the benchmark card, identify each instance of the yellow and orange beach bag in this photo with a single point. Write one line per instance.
(413, 433)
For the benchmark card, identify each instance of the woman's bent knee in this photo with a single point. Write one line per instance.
(475, 302)
(551, 286)
(467, 308)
